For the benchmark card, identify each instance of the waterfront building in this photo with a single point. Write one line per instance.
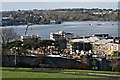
(61, 37)
(52, 21)
(78, 45)
(107, 46)
(102, 36)
(31, 37)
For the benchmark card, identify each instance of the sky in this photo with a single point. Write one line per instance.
(8, 6)
(60, 0)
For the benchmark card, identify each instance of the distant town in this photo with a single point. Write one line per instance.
(56, 16)
(60, 40)
(64, 50)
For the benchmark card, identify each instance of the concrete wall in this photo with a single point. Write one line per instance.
(26, 60)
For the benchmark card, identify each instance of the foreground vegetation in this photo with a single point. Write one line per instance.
(65, 70)
(14, 74)
(28, 73)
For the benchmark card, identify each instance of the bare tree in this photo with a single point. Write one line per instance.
(8, 35)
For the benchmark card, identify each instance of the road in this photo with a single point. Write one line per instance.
(93, 74)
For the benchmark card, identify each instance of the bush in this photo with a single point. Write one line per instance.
(117, 68)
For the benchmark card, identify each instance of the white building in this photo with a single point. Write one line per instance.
(61, 38)
(31, 37)
(81, 44)
(60, 35)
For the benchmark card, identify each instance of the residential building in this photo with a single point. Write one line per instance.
(107, 46)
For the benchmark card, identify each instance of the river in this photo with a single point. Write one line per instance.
(78, 28)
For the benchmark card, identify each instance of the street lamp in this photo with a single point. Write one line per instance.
(15, 55)
(15, 51)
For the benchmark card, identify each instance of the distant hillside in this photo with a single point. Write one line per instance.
(78, 14)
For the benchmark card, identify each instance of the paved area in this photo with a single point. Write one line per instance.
(93, 74)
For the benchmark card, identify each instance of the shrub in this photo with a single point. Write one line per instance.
(117, 67)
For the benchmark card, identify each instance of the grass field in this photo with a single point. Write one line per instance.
(10, 74)
(92, 71)
(26, 73)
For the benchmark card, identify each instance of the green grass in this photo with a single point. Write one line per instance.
(14, 74)
(92, 71)
(26, 73)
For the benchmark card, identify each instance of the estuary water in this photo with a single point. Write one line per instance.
(78, 28)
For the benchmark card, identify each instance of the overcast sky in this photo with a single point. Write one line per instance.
(56, 5)
(60, 0)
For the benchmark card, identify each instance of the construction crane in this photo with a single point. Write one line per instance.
(28, 24)
(27, 28)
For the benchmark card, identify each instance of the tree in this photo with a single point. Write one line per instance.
(113, 64)
(8, 35)
(13, 44)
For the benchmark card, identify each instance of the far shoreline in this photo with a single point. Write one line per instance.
(58, 24)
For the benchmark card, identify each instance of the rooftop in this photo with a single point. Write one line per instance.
(104, 41)
(86, 40)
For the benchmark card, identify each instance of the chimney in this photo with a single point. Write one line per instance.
(113, 39)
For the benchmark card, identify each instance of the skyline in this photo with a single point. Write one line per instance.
(13, 6)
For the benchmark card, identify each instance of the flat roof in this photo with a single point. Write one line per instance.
(86, 40)
(104, 41)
